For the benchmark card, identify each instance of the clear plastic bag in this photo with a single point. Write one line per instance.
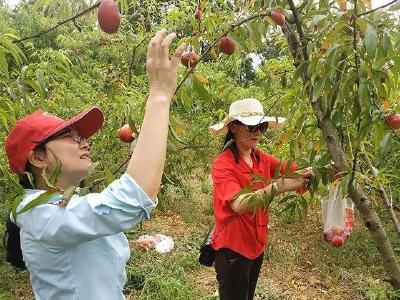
(338, 216)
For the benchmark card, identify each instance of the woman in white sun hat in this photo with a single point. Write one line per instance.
(240, 236)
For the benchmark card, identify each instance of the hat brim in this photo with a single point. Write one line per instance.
(86, 123)
(222, 127)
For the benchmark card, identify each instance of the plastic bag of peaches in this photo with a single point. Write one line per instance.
(338, 216)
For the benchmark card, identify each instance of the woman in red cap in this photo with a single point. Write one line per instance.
(75, 248)
(241, 227)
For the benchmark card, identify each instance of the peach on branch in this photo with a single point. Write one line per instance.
(278, 17)
(125, 133)
(190, 59)
(108, 16)
(227, 46)
(198, 14)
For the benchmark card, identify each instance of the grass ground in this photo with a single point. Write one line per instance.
(298, 265)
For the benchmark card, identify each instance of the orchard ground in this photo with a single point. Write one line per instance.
(298, 264)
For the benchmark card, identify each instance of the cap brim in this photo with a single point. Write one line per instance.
(86, 123)
(222, 128)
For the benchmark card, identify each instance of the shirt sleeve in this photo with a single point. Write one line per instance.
(274, 163)
(119, 207)
(226, 186)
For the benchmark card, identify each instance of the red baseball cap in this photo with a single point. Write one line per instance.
(40, 125)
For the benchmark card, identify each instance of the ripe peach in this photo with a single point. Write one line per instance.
(337, 241)
(198, 15)
(227, 46)
(278, 17)
(108, 16)
(190, 59)
(125, 134)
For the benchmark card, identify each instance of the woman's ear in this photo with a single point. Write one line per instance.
(37, 159)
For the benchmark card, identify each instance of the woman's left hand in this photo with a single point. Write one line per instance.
(307, 174)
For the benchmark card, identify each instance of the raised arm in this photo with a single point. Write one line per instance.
(147, 162)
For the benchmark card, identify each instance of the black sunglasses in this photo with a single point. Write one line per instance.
(253, 128)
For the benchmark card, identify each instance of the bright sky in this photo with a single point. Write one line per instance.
(375, 3)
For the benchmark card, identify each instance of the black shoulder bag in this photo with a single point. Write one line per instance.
(207, 252)
(206, 257)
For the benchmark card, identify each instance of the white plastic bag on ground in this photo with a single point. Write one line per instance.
(161, 243)
(338, 216)
(165, 245)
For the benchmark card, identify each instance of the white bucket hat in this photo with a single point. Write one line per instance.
(249, 112)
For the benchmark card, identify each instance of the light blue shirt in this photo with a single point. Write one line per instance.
(79, 251)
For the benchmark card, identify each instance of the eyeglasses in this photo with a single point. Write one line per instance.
(253, 128)
(66, 133)
(75, 136)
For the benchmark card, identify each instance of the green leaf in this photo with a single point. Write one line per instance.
(68, 193)
(11, 181)
(131, 124)
(15, 204)
(371, 40)
(259, 178)
(363, 93)
(277, 171)
(92, 167)
(318, 89)
(41, 199)
(175, 135)
(56, 172)
(42, 83)
(299, 70)
(3, 64)
(200, 78)
(385, 144)
(286, 199)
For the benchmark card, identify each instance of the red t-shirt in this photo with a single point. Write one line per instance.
(244, 233)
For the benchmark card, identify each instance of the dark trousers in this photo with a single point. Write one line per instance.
(237, 275)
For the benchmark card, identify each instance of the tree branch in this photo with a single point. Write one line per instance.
(339, 76)
(375, 9)
(302, 6)
(133, 58)
(299, 28)
(232, 27)
(384, 195)
(89, 9)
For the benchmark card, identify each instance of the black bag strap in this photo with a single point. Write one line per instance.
(211, 232)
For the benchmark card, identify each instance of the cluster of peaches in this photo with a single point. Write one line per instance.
(337, 235)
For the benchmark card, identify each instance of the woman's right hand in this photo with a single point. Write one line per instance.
(299, 183)
(292, 184)
(147, 163)
(161, 70)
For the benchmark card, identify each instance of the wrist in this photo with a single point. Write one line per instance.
(279, 186)
(158, 96)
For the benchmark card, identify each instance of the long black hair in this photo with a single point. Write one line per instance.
(11, 239)
(230, 143)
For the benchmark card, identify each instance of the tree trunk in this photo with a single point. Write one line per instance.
(361, 201)
(331, 137)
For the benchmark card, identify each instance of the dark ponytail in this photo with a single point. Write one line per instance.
(230, 143)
